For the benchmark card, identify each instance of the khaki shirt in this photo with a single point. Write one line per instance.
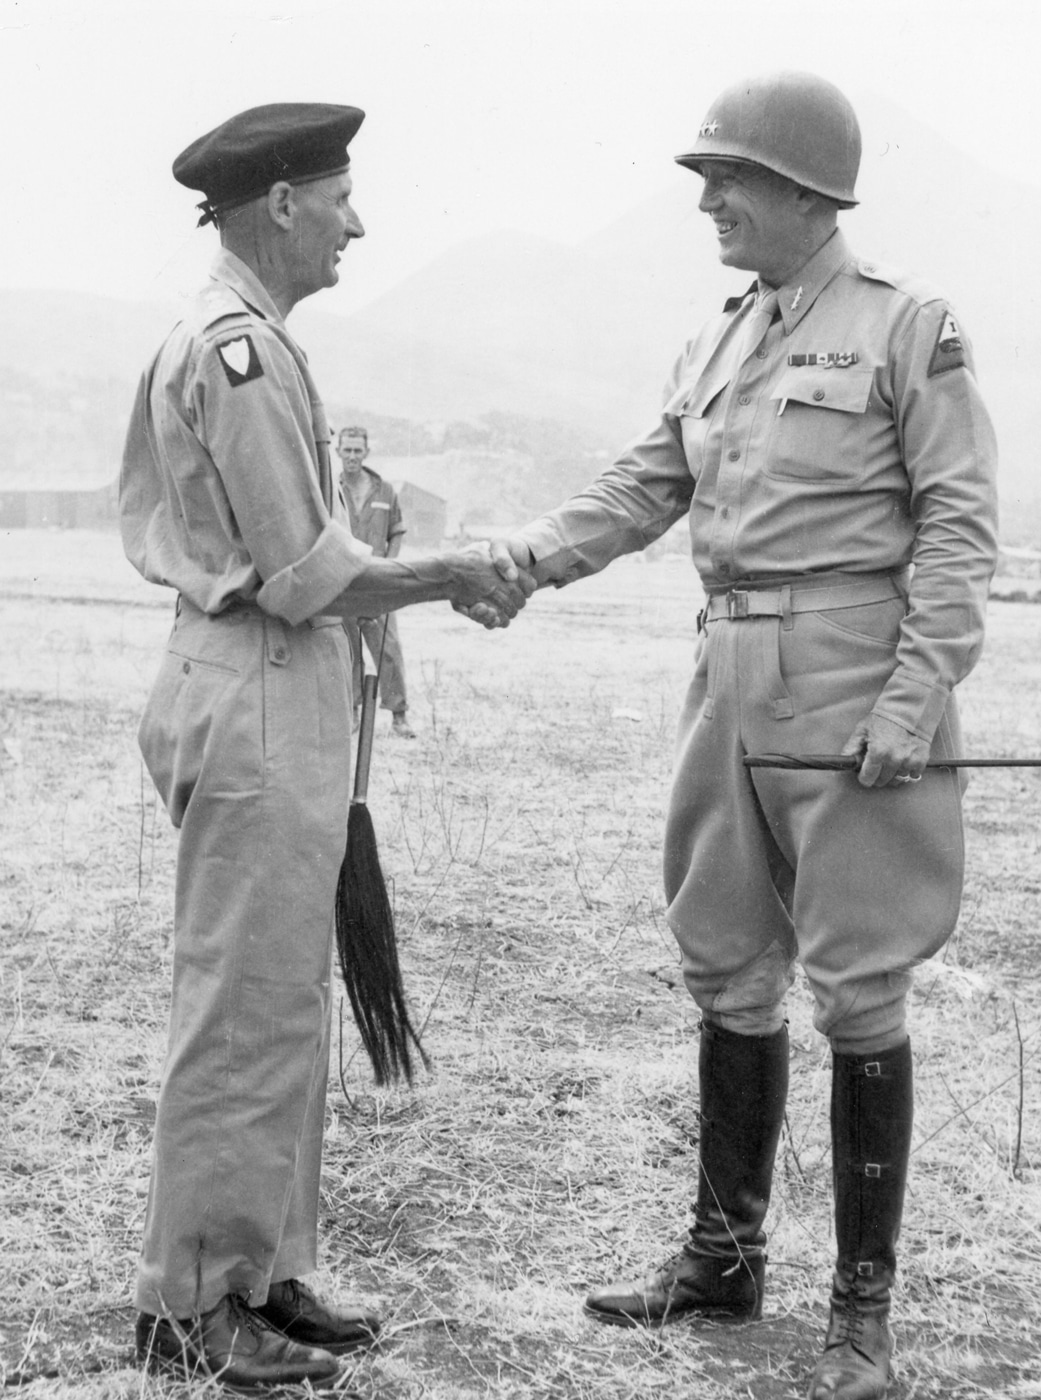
(226, 492)
(377, 520)
(853, 439)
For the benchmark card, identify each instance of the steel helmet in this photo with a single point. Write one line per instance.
(795, 124)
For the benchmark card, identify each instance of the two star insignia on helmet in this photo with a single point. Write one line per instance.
(948, 352)
(709, 128)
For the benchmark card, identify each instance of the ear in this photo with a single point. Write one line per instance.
(280, 204)
(813, 204)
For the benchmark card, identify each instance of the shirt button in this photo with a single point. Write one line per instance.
(724, 569)
(186, 668)
(818, 394)
(733, 454)
(760, 354)
(280, 653)
(745, 399)
(725, 512)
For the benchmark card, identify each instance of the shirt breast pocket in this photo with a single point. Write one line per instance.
(695, 406)
(820, 431)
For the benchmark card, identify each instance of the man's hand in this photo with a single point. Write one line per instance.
(489, 590)
(509, 555)
(889, 753)
(512, 560)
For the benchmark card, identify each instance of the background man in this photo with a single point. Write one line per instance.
(375, 516)
(824, 433)
(227, 495)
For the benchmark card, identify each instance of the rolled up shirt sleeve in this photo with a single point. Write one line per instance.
(307, 586)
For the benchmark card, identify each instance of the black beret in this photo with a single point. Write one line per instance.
(243, 157)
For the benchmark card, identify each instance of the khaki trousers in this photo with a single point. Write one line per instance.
(766, 866)
(393, 693)
(247, 737)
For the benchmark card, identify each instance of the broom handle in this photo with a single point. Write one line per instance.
(365, 733)
(841, 762)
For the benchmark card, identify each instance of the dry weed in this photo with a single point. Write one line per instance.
(554, 1145)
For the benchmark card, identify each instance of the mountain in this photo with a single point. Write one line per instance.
(582, 335)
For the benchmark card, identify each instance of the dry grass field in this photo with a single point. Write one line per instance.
(554, 1144)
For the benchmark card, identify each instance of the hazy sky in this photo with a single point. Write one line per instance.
(550, 116)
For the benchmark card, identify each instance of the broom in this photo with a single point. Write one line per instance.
(365, 939)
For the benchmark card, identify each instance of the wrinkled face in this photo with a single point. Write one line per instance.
(352, 452)
(760, 218)
(323, 225)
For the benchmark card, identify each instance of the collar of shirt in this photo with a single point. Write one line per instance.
(234, 273)
(796, 296)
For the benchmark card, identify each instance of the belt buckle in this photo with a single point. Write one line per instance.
(737, 603)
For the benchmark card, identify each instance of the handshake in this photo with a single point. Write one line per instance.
(492, 582)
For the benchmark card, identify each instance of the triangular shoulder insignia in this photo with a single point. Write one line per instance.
(949, 350)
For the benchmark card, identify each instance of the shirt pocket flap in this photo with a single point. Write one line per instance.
(846, 390)
(694, 400)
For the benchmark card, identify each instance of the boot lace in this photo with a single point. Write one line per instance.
(243, 1315)
(848, 1320)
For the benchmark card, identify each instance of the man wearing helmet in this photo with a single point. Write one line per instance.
(826, 436)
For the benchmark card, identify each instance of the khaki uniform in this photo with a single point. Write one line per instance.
(377, 521)
(227, 496)
(819, 456)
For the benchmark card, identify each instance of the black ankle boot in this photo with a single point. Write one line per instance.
(233, 1345)
(871, 1115)
(719, 1272)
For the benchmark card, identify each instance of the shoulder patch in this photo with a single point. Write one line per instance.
(948, 352)
(239, 360)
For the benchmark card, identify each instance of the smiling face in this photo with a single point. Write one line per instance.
(763, 221)
(323, 225)
(352, 451)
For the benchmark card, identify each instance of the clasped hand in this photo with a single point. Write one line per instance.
(490, 584)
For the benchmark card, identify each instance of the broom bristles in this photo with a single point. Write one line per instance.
(368, 953)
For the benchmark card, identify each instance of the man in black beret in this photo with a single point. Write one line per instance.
(227, 495)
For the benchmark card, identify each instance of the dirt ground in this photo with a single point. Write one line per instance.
(553, 1146)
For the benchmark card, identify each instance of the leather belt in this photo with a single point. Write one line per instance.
(803, 596)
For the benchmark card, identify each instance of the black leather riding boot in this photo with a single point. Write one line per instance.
(872, 1107)
(744, 1085)
(719, 1272)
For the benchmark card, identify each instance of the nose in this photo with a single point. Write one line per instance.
(355, 228)
(711, 193)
